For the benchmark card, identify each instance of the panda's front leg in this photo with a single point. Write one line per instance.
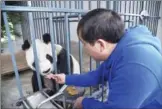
(34, 80)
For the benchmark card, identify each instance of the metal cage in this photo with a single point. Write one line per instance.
(58, 18)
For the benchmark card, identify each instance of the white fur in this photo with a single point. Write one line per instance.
(43, 63)
(76, 66)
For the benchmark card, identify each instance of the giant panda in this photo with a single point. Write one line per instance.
(45, 62)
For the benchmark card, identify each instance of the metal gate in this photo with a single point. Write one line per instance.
(57, 18)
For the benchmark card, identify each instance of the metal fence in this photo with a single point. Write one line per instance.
(56, 17)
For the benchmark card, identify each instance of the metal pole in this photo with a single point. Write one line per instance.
(80, 51)
(18, 82)
(90, 70)
(34, 47)
(129, 12)
(67, 42)
(53, 45)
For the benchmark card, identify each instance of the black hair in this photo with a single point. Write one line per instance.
(46, 38)
(101, 24)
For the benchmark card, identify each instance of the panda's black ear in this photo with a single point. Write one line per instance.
(26, 45)
(46, 38)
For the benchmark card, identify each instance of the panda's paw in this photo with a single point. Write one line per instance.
(49, 92)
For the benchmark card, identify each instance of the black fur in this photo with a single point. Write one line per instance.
(62, 62)
(49, 57)
(33, 64)
(46, 38)
(36, 87)
(61, 68)
(26, 45)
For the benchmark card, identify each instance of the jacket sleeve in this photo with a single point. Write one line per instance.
(85, 79)
(129, 89)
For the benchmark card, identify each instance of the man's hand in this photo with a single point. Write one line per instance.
(59, 78)
(78, 103)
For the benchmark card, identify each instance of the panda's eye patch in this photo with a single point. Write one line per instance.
(49, 57)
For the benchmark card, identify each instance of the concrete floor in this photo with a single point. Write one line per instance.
(9, 91)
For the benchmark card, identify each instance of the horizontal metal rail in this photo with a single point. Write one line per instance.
(40, 9)
(64, 10)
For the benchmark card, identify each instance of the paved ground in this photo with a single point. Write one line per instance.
(9, 89)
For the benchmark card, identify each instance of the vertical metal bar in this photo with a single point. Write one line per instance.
(89, 2)
(70, 6)
(64, 31)
(60, 23)
(120, 6)
(67, 43)
(155, 14)
(114, 5)
(41, 20)
(52, 41)
(129, 12)
(107, 4)
(153, 19)
(137, 11)
(69, 36)
(47, 19)
(148, 5)
(90, 70)
(56, 24)
(81, 4)
(68, 28)
(149, 11)
(18, 82)
(56, 13)
(75, 4)
(140, 10)
(53, 44)
(60, 32)
(158, 3)
(98, 4)
(34, 47)
(125, 5)
(80, 50)
(60, 6)
(144, 8)
(133, 24)
(37, 20)
(117, 6)
(44, 26)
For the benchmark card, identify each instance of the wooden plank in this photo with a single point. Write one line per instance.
(7, 66)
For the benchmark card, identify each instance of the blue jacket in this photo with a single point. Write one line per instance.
(134, 72)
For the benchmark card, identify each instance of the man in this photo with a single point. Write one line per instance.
(132, 63)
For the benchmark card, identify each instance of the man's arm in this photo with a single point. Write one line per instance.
(129, 89)
(87, 79)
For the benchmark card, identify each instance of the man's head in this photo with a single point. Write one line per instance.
(100, 30)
